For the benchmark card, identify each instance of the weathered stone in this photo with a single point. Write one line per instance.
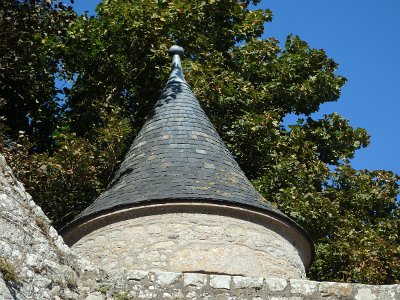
(167, 296)
(387, 292)
(335, 289)
(220, 281)
(198, 280)
(206, 296)
(30, 244)
(191, 295)
(70, 295)
(276, 284)
(136, 274)
(365, 293)
(163, 243)
(223, 296)
(286, 298)
(95, 296)
(167, 278)
(241, 282)
(32, 260)
(146, 294)
(4, 291)
(303, 287)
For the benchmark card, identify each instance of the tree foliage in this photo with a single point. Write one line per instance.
(65, 148)
(28, 65)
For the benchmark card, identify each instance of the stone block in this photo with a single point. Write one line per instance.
(365, 293)
(136, 274)
(194, 279)
(32, 260)
(276, 284)
(165, 279)
(241, 282)
(388, 292)
(220, 281)
(335, 289)
(303, 287)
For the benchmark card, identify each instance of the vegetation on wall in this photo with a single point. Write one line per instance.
(8, 271)
(65, 143)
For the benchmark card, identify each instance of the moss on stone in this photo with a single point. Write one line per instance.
(8, 270)
(103, 289)
(121, 296)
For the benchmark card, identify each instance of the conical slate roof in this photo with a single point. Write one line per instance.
(178, 155)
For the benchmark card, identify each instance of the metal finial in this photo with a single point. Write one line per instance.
(176, 72)
(176, 50)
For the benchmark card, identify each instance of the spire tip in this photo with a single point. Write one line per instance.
(176, 50)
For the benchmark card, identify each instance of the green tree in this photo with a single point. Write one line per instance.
(30, 32)
(118, 65)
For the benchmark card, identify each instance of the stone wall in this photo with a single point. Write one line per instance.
(36, 264)
(34, 261)
(193, 243)
(176, 285)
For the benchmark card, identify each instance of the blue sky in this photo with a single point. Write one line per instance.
(363, 37)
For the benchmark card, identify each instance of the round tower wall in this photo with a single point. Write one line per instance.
(192, 242)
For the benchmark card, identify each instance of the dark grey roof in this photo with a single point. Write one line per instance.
(178, 155)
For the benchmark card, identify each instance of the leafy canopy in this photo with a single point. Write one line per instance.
(65, 144)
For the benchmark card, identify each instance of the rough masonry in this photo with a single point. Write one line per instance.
(46, 268)
(192, 242)
(176, 285)
(31, 251)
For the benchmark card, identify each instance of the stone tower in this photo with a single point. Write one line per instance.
(180, 202)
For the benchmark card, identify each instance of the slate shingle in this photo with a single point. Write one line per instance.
(178, 155)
